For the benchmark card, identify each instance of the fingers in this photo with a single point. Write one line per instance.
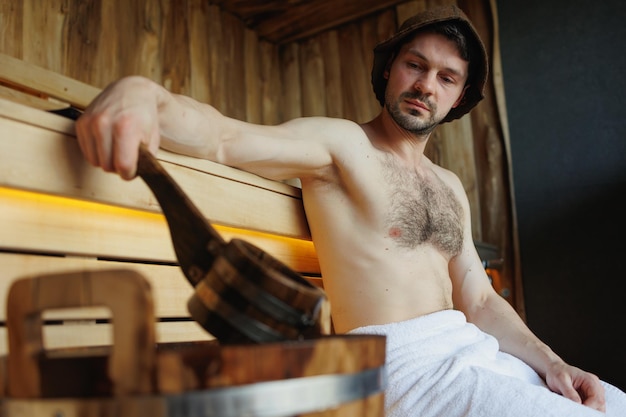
(109, 134)
(592, 393)
(568, 391)
(579, 386)
(126, 135)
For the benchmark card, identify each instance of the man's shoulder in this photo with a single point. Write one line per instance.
(331, 126)
(448, 177)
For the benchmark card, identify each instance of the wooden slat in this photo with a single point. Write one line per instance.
(253, 83)
(271, 85)
(312, 77)
(329, 44)
(292, 96)
(170, 288)
(200, 59)
(51, 162)
(88, 335)
(11, 21)
(44, 21)
(55, 85)
(32, 222)
(357, 87)
(29, 99)
(176, 59)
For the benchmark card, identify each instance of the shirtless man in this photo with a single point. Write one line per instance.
(391, 229)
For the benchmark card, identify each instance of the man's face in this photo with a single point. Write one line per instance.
(426, 79)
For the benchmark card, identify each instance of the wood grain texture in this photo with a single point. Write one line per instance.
(48, 161)
(283, 22)
(292, 90)
(97, 42)
(493, 162)
(126, 293)
(312, 76)
(43, 224)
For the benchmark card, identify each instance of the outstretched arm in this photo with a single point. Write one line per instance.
(474, 295)
(136, 110)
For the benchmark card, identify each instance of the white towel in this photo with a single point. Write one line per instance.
(441, 366)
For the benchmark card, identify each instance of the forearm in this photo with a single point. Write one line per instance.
(496, 317)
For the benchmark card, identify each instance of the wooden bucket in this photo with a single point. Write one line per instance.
(328, 376)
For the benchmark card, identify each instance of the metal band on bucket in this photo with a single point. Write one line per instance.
(282, 398)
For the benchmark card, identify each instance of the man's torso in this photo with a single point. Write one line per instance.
(384, 234)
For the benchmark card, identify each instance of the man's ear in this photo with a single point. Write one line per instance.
(461, 99)
(388, 66)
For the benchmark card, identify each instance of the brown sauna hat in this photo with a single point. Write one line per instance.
(479, 65)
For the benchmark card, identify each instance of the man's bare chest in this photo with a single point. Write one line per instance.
(422, 209)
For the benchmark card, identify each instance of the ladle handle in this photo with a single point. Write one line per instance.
(195, 241)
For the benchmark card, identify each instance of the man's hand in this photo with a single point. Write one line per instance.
(577, 385)
(124, 115)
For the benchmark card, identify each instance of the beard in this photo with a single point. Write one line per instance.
(411, 121)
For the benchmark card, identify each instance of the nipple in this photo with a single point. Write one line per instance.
(395, 232)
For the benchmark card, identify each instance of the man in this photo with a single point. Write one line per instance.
(391, 229)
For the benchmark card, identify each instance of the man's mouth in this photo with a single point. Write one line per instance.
(418, 104)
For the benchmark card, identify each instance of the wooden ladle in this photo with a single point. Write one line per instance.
(196, 243)
(242, 293)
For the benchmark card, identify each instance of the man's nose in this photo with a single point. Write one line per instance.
(425, 83)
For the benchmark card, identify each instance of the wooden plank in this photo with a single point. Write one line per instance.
(252, 80)
(174, 54)
(135, 30)
(34, 222)
(200, 59)
(357, 88)
(85, 23)
(31, 100)
(218, 92)
(233, 76)
(47, 161)
(329, 45)
(54, 123)
(11, 21)
(16, 71)
(370, 36)
(292, 88)
(270, 84)
(43, 36)
(92, 335)
(170, 288)
(312, 77)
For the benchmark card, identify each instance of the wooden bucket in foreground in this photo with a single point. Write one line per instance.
(327, 376)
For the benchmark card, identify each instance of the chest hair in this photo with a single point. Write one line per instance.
(422, 210)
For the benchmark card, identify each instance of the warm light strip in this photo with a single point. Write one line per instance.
(295, 246)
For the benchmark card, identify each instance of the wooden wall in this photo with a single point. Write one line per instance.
(194, 48)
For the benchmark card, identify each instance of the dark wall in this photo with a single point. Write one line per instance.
(564, 66)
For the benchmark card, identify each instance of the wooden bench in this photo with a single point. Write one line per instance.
(57, 213)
